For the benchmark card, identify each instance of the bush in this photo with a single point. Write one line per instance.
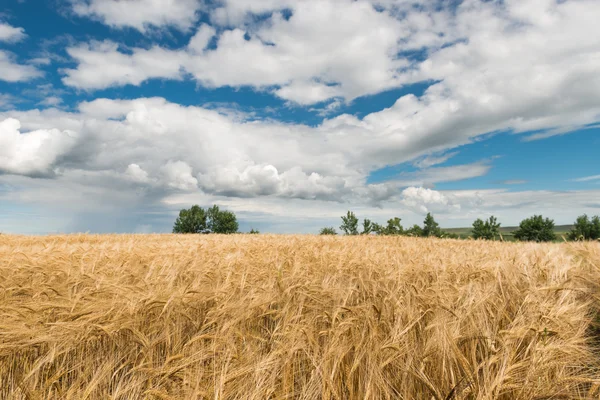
(328, 231)
(488, 230)
(584, 229)
(536, 229)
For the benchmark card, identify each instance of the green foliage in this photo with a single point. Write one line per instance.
(393, 227)
(223, 222)
(254, 232)
(585, 229)
(536, 229)
(431, 227)
(488, 230)
(415, 230)
(328, 231)
(367, 227)
(349, 224)
(198, 220)
(193, 220)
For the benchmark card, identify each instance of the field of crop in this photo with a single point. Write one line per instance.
(296, 317)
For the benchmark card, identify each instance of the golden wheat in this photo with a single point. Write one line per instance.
(295, 317)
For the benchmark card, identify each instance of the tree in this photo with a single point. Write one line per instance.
(328, 231)
(254, 232)
(349, 224)
(193, 220)
(488, 229)
(224, 222)
(536, 229)
(585, 229)
(367, 227)
(415, 230)
(393, 227)
(430, 227)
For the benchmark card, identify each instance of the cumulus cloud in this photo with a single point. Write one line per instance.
(179, 175)
(490, 63)
(193, 148)
(10, 33)
(32, 153)
(308, 57)
(12, 71)
(102, 65)
(136, 174)
(426, 200)
(140, 14)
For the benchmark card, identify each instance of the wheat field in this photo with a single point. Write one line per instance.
(296, 317)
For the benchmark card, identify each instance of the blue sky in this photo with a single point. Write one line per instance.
(116, 114)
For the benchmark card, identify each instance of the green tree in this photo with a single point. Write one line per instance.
(393, 227)
(536, 229)
(489, 229)
(349, 224)
(367, 227)
(415, 230)
(224, 222)
(254, 232)
(585, 229)
(328, 231)
(193, 220)
(431, 227)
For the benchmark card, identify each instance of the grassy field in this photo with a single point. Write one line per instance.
(296, 317)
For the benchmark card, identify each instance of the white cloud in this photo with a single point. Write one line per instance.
(10, 33)
(102, 65)
(140, 14)
(178, 175)
(492, 62)
(434, 175)
(306, 93)
(32, 153)
(51, 101)
(430, 160)
(136, 174)
(588, 178)
(306, 55)
(11, 71)
(426, 200)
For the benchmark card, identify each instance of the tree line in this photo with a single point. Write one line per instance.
(536, 228)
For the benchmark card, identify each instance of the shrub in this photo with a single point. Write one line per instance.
(328, 231)
(536, 229)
